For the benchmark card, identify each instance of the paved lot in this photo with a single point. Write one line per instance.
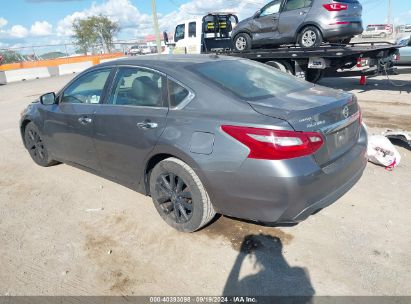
(66, 232)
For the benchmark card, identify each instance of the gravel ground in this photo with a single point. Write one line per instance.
(66, 232)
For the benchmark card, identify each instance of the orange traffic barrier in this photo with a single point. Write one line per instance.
(58, 61)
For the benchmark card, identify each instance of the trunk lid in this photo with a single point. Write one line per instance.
(335, 114)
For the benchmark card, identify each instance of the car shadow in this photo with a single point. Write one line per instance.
(348, 84)
(272, 275)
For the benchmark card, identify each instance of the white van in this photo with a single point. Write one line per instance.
(210, 33)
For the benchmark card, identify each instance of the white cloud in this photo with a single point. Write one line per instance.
(135, 24)
(3, 22)
(121, 11)
(199, 8)
(41, 28)
(19, 31)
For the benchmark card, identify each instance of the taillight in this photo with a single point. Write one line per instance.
(275, 144)
(335, 7)
(362, 62)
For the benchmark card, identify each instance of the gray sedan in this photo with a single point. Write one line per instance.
(203, 135)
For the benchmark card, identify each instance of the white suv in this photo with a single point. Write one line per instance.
(378, 30)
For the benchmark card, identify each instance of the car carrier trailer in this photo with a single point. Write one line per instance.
(212, 35)
(312, 64)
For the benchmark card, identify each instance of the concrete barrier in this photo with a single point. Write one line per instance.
(72, 68)
(111, 59)
(19, 74)
(23, 74)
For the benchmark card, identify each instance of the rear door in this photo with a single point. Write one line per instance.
(292, 16)
(265, 24)
(70, 123)
(129, 125)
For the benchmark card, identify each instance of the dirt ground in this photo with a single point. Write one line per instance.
(64, 231)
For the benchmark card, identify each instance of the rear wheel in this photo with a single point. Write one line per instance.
(346, 41)
(314, 75)
(36, 146)
(310, 36)
(383, 35)
(282, 66)
(179, 196)
(242, 42)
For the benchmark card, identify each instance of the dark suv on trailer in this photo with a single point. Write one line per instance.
(306, 22)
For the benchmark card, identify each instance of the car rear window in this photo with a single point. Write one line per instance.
(177, 93)
(250, 80)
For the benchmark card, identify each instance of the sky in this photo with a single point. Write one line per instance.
(41, 22)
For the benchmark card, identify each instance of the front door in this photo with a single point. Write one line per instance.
(69, 125)
(128, 127)
(292, 16)
(265, 24)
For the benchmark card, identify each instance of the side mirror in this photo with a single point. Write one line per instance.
(165, 35)
(48, 99)
(257, 14)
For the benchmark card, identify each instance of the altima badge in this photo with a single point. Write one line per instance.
(346, 112)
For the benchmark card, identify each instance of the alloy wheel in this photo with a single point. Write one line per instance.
(35, 145)
(174, 197)
(241, 43)
(309, 38)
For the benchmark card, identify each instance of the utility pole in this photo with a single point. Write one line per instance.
(389, 12)
(155, 24)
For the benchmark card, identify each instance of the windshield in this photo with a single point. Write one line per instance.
(250, 80)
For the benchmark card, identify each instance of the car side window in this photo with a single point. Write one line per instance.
(180, 32)
(272, 8)
(87, 89)
(294, 4)
(192, 29)
(177, 93)
(138, 87)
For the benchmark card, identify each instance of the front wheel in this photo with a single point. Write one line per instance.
(36, 146)
(310, 36)
(242, 42)
(179, 196)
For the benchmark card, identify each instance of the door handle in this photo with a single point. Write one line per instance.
(147, 125)
(303, 13)
(85, 120)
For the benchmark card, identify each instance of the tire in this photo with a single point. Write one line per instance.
(310, 36)
(283, 66)
(179, 196)
(242, 42)
(314, 75)
(346, 41)
(37, 148)
(383, 35)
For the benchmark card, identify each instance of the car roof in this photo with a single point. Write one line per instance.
(166, 63)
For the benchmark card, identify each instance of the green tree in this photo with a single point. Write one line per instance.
(94, 30)
(10, 56)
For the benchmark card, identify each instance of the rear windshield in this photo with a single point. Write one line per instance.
(250, 80)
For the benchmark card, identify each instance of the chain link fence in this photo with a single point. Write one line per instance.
(47, 52)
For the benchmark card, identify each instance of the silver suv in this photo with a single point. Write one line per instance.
(306, 22)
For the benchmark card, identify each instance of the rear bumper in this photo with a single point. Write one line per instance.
(339, 31)
(285, 191)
